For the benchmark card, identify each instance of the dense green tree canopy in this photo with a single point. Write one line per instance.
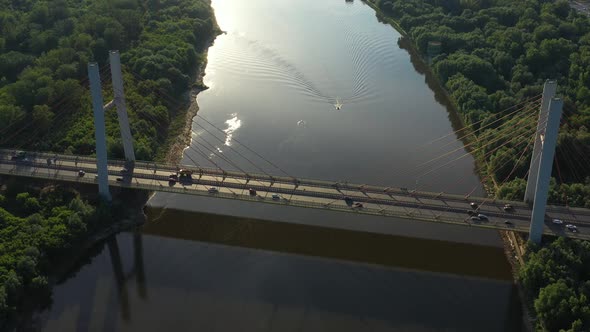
(558, 278)
(36, 228)
(44, 50)
(497, 53)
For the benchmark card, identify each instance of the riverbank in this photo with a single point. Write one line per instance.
(181, 126)
(179, 137)
(442, 96)
(512, 242)
(126, 211)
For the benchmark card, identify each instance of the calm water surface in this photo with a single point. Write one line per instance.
(276, 78)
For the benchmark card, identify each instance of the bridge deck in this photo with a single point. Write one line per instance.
(306, 193)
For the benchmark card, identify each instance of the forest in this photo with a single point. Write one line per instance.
(498, 53)
(557, 277)
(495, 54)
(45, 47)
(38, 226)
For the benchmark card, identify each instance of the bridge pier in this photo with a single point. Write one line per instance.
(549, 90)
(548, 142)
(99, 131)
(119, 95)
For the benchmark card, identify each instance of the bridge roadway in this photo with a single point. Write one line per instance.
(393, 202)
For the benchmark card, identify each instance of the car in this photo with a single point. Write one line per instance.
(475, 218)
(473, 205)
(508, 207)
(348, 201)
(252, 192)
(571, 227)
(18, 155)
(276, 197)
(557, 221)
(213, 190)
(81, 173)
(508, 222)
(119, 179)
(483, 217)
(358, 205)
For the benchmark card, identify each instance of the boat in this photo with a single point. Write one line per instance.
(338, 105)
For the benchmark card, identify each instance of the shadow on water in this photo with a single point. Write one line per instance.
(203, 272)
(387, 250)
(421, 67)
(440, 94)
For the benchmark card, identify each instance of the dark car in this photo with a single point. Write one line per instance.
(348, 201)
(19, 155)
(508, 222)
(252, 192)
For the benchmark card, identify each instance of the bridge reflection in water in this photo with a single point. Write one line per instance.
(204, 272)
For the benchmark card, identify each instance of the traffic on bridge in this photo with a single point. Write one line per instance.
(305, 193)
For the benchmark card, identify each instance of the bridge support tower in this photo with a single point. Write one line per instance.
(548, 143)
(549, 90)
(99, 124)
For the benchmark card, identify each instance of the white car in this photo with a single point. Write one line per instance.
(483, 217)
(276, 197)
(213, 190)
(557, 221)
(572, 228)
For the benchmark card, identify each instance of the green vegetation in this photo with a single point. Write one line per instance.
(44, 50)
(45, 46)
(497, 53)
(37, 227)
(557, 277)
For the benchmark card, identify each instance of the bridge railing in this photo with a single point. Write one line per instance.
(148, 165)
(39, 173)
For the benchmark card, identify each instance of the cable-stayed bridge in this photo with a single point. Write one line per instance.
(305, 193)
(516, 131)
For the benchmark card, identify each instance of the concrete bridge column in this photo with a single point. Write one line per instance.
(549, 90)
(119, 101)
(99, 131)
(548, 141)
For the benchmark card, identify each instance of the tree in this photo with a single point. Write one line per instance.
(42, 117)
(554, 306)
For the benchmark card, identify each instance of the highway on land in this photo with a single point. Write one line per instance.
(394, 202)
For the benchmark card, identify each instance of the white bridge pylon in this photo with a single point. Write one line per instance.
(99, 124)
(537, 189)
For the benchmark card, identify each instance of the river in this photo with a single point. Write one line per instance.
(323, 90)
